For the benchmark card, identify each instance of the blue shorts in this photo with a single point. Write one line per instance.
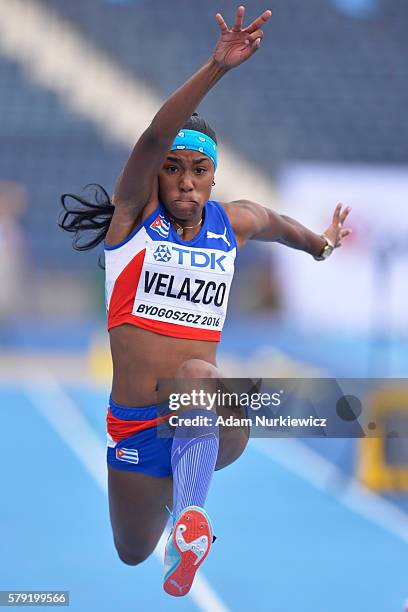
(143, 451)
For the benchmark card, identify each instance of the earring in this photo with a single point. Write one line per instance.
(213, 183)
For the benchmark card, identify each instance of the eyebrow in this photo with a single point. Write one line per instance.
(196, 161)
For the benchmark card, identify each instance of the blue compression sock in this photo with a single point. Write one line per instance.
(193, 458)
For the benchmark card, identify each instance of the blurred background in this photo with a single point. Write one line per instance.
(316, 117)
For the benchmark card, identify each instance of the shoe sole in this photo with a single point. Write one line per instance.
(192, 538)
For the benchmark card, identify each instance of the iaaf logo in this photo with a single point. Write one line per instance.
(187, 257)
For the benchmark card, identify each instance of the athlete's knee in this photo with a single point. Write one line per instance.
(133, 557)
(196, 368)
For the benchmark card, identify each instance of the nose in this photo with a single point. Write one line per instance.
(186, 182)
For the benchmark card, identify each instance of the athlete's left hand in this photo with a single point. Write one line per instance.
(335, 232)
(235, 46)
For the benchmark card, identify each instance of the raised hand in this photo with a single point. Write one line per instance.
(335, 232)
(235, 46)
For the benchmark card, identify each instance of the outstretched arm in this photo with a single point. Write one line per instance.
(136, 183)
(252, 221)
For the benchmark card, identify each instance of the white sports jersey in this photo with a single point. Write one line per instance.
(157, 281)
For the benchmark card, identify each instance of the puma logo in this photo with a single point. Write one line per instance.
(176, 584)
(219, 236)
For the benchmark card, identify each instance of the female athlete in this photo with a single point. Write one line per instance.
(169, 259)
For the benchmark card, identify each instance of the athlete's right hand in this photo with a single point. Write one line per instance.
(235, 46)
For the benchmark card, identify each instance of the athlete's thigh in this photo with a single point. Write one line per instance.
(137, 505)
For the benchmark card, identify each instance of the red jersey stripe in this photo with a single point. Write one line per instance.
(119, 429)
(124, 291)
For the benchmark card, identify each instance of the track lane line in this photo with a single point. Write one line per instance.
(310, 466)
(64, 416)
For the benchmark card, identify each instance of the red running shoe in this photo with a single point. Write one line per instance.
(188, 545)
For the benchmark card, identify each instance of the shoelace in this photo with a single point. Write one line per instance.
(171, 514)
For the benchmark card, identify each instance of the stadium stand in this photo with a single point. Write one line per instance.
(42, 139)
(317, 60)
(335, 89)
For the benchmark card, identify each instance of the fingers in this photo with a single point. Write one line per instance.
(344, 214)
(253, 29)
(336, 229)
(253, 37)
(343, 234)
(239, 18)
(221, 22)
(340, 216)
(336, 213)
(257, 23)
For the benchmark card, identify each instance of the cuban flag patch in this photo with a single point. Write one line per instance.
(161, 226)
(129, 455)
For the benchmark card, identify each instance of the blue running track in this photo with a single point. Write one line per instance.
(284, 544)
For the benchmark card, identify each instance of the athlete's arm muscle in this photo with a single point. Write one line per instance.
(136, 185)
(251, 221)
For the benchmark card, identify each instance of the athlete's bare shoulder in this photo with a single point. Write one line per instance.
(241, 217)
(232, 209)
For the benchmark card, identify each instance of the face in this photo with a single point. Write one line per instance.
(185, 182)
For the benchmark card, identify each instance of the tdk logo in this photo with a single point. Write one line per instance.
(186, 257)
(162, 253)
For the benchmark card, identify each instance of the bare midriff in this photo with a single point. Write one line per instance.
(140, 358)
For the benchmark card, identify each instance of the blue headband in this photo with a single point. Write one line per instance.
(196, 141)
